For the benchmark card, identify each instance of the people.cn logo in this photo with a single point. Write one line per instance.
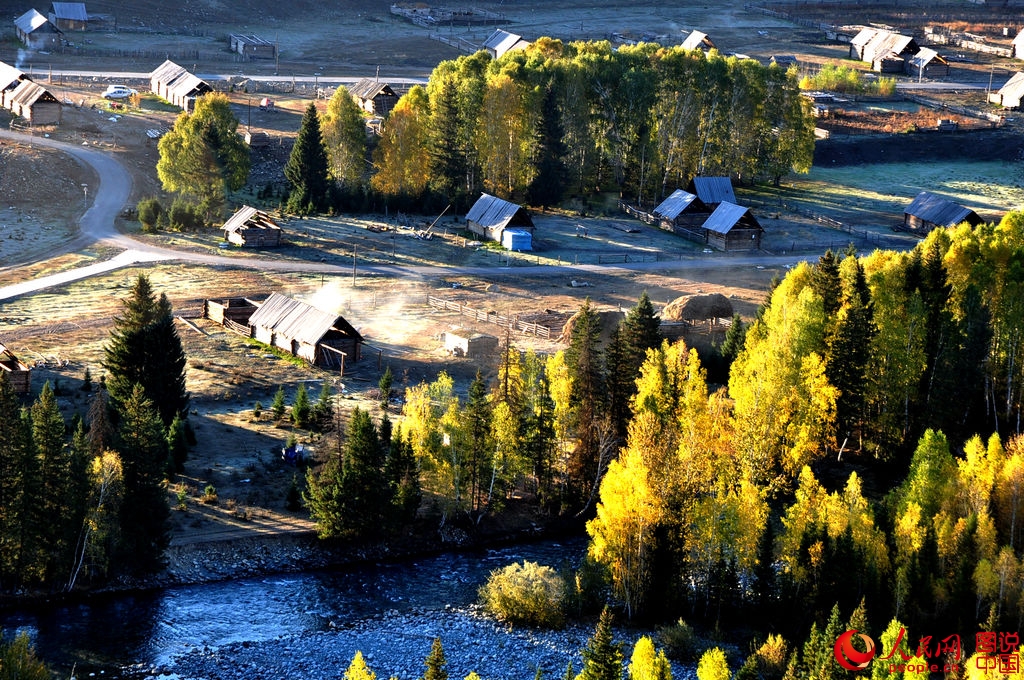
(851, 658)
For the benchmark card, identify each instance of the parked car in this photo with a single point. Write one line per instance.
(119, 92)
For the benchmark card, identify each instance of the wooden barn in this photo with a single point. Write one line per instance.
(886, 51)
(927, 63)
(10, 79)
(698, 41)
(500, 42)
(681, 212)
(321, 338)
(732, 227)
(178, 86)
(252, 228)
(490, 216)
(252, 46)
(471, 346)
(374, 96)
(37, 32)
(1008, 96)
(18, 373)
(34, 103)
(712, 190)
(929, 211)
(69, 16)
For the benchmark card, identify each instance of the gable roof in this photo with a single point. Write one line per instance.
(248, 217)
(1019, 40)
(72, 11)
(31, 20)
(368, 88)
(28, 93)
(10, 75)
(166, 72)
(679, 201)
(884, 43)
(863, 37)
(493, 212)
(727, 215)
(924, 57)
(935, 209)
(502, 41)
(713, 189)
(298, 320)
(697, 40)
(1013, 89)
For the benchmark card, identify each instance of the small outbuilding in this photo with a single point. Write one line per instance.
(252, 228)
(712, 190)
(35, 103)
(69, 16)
(929, 211)
(490, 216)
(321, 338)
(374, 96)
(18, 373)
(37, 32)
(470, 346)
(732, 227)
(698, 41)
(518, 240)
(500, 42)
(682, 212)
(927, 63)
(1008, 96)
(178, 86)
(886, 51)
(252, 46)
(230, 311)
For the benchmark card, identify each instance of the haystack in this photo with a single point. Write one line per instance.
(608, 320)
(698, 308)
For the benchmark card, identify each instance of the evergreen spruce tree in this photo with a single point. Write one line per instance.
(277, 406)
(301, 408)
(324, 406)
(436, 663)
(177, 446)
(549, 184)
(641, 330)
(142, 443)
(447, 162)
(12, 475)
(602, 657)
(384, 387)
(735, 339)
(403, 475)
(621, 383)
(583, 359)
(101, 431)
(307, 167)
(825, 282)
(476, 418)
(30, 553)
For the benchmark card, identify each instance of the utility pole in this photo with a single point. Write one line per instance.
(353, 265)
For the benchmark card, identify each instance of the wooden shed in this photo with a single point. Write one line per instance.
(928, 211)
(227, 311)
(19, 374)
(178, 86)
(490, 216)
(252, 46)
(1008, 96)
(682, 212)
(712, 190)
(252, 228)
(34, 103)
(732, 227)
(10, 79)
(501, 42)
(460, 344)
(927, 63)
(69, 16)
(698, 41)
(321, 338)
(374, 96)
(886, 51)
(37, 32)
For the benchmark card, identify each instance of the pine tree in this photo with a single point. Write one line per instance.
(12, 488)
(735, 339)
(277, 406)
(825, 282)
(307, 166)
(403, 475)
(177, 446)
(384, 387)
(476, 418)
(301, 408)
(602, 657)
(324, 406)
(641, 330)
(144, 510)
(436, 663)
(549, 184)
(447, 162)
(583, 359)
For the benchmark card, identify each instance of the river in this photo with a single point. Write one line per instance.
(314, 621)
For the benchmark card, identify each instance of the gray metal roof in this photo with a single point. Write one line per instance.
(713, 190)
(166, 72)
(10, 75)
(935, 209)
(697, 40)
(368, 88)
(491, 211)
(30, 21)
(727, 216)
(72, 11)
(502, 41)
(248, 217)
(298, 320)
(677, 203)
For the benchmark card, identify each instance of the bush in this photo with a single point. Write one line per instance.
(150, 212)
(184, 216)
(18, 660)
(679, 641)
(525, 594)
(210, 495)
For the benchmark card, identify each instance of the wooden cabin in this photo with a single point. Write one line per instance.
(927, 63)
(928, 211)
(69, 16)
(252, 46)
(236, 310)
(732, 227)
(178, 86)
(18, 373)
(502, 42)
(34, 103)
(490, 216)
(37, 32)
(682, 213)
(471, 346)
(321, 338)
(712, 190)
(252, 228)
(374, 96)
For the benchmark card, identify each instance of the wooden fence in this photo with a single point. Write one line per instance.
(491, 317)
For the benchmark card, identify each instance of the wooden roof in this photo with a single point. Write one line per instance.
(9, 362)
(368, 88)
(72, 11)
(298, 320)
(713, 189)
(884, 43)
(28, 93)
(728, 216)
(491, 211)
(678, 202)
(248, 217)
(935, 209)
